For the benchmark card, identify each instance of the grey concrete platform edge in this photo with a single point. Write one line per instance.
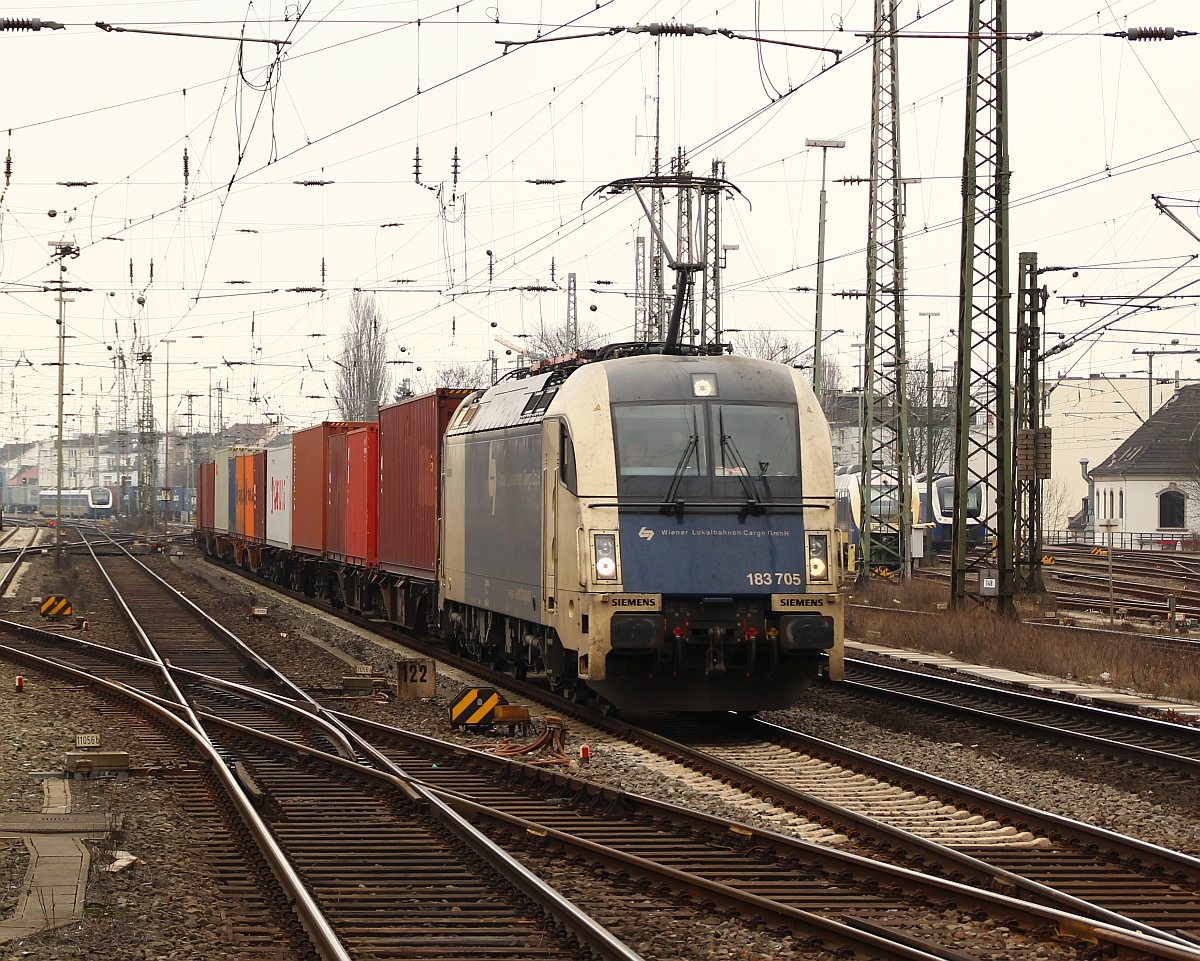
(1090, 693)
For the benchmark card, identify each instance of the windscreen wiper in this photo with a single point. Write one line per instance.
(669, 502)
(693, 445)
(729, 448)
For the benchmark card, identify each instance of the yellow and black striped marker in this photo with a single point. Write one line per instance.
(56, 606)
(475, 706)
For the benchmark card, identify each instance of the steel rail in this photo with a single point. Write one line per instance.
(563, 910)
(326, 942)
(13, 566)
(1136, 724)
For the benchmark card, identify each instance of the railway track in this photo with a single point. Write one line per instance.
(476, 900)
(1141, 740)
(338, 837)
(1142, 581)
(986, 840)
(813, 877)
(1134, 879)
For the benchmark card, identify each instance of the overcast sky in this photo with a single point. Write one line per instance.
(1097, 125)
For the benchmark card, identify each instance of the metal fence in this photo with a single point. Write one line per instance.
(1127, 540)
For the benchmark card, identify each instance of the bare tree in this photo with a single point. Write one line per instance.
(929, 423)
(1058, 504)
(363, 378)
(458, 376)
(561, 340)
(773, 345)
(765, 344)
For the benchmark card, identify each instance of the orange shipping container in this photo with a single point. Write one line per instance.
(245, 476)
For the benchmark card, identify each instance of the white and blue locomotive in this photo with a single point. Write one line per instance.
(658, 528)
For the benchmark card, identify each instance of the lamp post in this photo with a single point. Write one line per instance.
(166, 502)
(826, 146)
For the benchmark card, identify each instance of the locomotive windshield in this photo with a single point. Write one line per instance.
(660, 439)
(707, 448)
(757, 440)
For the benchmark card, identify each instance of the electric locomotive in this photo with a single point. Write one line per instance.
(657, 528)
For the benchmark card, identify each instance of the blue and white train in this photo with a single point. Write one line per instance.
(942, 517)
(96, 503)
(940, 521)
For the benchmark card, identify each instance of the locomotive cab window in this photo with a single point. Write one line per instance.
(656, 440)
(758, 440)
(974, 500)
(708, 449)
(566, 462)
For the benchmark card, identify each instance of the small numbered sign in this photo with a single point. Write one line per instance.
(416, 678)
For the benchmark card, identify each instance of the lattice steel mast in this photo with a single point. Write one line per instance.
(983, 453)
(640, 293)
(147, 442)
(123, 505)
(885, 474)
(1033, 440)
(710, 282)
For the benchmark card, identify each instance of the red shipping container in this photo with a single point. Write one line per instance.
(310, 483)
(258, 515)
(335, 497)
(362, 496)
(210, 495)
(410, 471)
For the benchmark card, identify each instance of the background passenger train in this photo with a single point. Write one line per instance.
(91, 502)
(942, 531)
(848, 481)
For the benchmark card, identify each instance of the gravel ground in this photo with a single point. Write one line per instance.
(162, 907)
(280, 638)
(14, 861)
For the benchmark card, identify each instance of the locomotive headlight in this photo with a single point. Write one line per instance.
(605, 548)
(818, 557)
